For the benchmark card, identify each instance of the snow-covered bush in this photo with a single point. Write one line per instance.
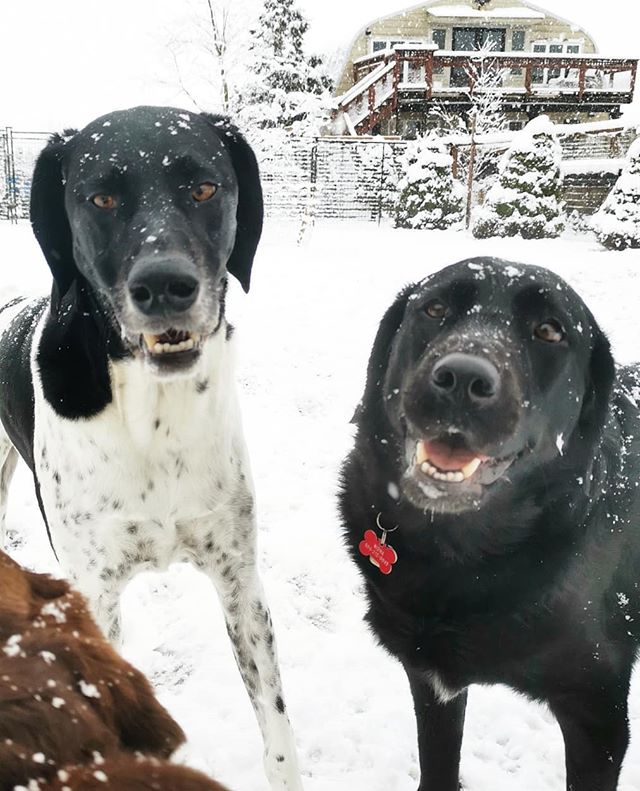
(526, 198)
(617, 223)
(427, 194)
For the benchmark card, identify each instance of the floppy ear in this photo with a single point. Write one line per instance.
(250, 212)
(602, 372)
(380, 353)
(49, 217)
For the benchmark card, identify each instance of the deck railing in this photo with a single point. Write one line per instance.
(424, 73)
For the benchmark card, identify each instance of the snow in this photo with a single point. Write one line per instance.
(509, 12)
(576, 166)
(304, 335)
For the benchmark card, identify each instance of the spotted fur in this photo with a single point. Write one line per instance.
(134, 471)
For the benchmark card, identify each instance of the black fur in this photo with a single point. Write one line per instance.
(250, 211)
(90, 259)
(531, 578)
(16, 386)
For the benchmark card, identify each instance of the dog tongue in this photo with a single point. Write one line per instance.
(446, 458)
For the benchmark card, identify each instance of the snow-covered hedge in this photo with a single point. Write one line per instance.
(617, 223)
(428, 195)
(526, 198)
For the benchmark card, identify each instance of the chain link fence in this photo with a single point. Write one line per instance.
(315, 178)
(303, 179)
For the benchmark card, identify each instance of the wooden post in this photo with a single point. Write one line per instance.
(428, 74)
(396, 81)
(582, 81)
(528, 77)
(372, 98)
(472, 163)
(634, 70)
(454, 156)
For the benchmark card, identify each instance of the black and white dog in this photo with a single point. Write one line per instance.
(118, 390)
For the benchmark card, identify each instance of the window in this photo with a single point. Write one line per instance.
(537, 76)
(517, 45)
(555, 49)
(517, 41)
(470, 39)
(381, 44)
(439, 38)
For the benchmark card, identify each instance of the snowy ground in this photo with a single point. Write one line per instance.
(305, 331)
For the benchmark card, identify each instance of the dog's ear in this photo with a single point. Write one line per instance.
(49, 217)
(601, 376)
(380, 353)
(250, 212)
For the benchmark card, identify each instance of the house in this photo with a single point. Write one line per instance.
(401, 66)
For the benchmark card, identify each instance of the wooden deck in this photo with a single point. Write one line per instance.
(413, 78)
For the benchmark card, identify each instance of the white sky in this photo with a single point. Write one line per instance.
(63, 62)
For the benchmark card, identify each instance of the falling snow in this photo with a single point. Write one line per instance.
(348, 700)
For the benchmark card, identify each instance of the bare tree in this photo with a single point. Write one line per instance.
(219, 46)
(208, 50)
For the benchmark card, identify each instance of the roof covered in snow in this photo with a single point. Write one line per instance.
(510, 12)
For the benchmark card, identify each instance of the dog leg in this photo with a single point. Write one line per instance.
(250, 629)
(595, 727)
(8, 461)
(105, 607)
(440, 726)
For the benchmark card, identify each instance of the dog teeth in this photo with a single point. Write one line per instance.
(154, 345)
(452, 476)
(468, 470)
(421, 452)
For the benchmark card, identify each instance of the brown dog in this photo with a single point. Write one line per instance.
(73, 713)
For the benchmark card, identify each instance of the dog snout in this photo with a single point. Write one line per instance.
(465, 378)
(167, 286)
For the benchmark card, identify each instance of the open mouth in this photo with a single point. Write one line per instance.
(448, 461)
(171, 342)
(448, 474)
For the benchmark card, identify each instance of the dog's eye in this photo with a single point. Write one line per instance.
(435, 309)
(203, 192)
(103, 201)
(550, 331)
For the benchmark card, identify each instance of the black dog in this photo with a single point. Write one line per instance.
(118, 391)
(495, 434)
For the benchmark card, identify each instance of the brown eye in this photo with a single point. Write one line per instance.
(103, 201)
(203, 192)
(550, 331)
(435, 309)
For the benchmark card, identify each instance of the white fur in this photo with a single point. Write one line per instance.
(161, 475)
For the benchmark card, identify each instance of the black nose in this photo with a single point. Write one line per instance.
(165, 286)
(465, 376)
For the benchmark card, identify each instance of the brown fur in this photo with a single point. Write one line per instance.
(50, 650)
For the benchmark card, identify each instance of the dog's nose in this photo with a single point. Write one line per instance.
(166, 286)
(466, 377)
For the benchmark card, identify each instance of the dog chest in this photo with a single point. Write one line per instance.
(155, 462)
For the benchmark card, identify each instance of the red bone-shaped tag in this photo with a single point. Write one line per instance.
(378, 552)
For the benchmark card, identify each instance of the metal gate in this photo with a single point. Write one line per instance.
(18, 154)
